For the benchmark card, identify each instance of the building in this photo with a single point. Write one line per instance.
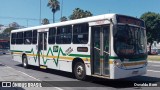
(155, 48)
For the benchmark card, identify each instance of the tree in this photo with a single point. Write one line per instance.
(55, 6)
(6, 33)
(88, 13)
(8, 30)
(45, 21)
(152, 21)
(64, 18)
(79, 13)
(14, 25)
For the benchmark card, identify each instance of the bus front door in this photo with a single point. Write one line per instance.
(100, 50)
(42, 47)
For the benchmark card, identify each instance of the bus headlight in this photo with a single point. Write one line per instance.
(118, 63)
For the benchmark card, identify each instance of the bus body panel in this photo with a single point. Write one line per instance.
(133, 69)
(128, 73)
(61, 56)
(28, 50)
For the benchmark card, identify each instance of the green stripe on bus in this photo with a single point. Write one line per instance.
(28, 51)
(122, 59)
(137, 59)
(113, 57)
(60, 51)
(74, 55)
(80, 55)
(16, 51)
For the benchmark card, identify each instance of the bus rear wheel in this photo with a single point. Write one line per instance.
(80, 71)
(25, 61)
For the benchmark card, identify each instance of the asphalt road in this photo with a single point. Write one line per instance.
(67, 79)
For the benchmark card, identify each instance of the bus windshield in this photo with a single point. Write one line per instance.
(130, 42)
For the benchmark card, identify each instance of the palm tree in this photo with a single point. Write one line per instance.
(63, 18)
(45, 21)
(79, 13)
(88, 13)
(55, 6)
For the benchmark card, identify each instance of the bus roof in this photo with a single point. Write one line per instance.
(70, 22)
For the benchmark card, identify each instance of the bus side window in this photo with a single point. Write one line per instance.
(45, 41)
(13, 38)
(52, 33)
(40, 42)
(64, 35)
(34, 38)
(80, 33)
(19, 39)
(28, 37)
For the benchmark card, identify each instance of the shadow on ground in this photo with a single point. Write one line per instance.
(95, 82)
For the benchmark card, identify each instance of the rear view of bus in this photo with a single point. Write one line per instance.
(130, 48)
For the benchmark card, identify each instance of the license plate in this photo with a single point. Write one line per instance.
(135, 72)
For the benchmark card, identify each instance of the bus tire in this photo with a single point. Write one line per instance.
(25, 61)
(80, 71)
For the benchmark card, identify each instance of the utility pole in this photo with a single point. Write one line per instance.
(61, 8)
(27, 22)
(40, 13)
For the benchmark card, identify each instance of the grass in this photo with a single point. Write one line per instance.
(153, 57)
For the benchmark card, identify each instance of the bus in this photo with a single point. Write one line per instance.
(4, 46)
(112, 46)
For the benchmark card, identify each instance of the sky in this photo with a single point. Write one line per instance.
(27, 12)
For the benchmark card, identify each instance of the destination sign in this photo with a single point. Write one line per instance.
(129, 20)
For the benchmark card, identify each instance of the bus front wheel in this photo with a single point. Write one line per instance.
(25, 61)
(79, 71)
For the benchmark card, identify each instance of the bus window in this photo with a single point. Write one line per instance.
(27, 37)
(34, 38)
(45, 41)
(64, 35)
(80, 33)
(52, 33)
(13, 38)
(19, 39)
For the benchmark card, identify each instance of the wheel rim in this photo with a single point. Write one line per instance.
(24, 62)
(80, 70)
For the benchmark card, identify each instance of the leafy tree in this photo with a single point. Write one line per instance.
(88, 13)
(79, 13)
(8, 30)
(63, 18)
(152, 21)
(6, 33)
(45, 21)
(14, 25)
(55, 6)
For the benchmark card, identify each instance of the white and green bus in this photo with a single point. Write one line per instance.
(109, 46)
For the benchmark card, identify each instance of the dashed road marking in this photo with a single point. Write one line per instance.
(25, 74)
(154, 61)
(153, 71)
(34, 77)
(58, 88)
(155, 65)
